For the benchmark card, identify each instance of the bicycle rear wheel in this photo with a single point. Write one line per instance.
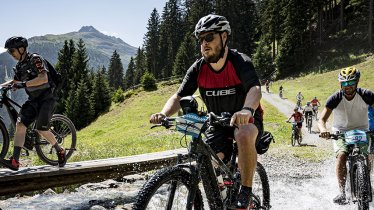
(167, 189)
(4, 140)
(310, 125)
(65, 133)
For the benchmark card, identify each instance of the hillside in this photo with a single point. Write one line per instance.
(323, 85)
(99, 46)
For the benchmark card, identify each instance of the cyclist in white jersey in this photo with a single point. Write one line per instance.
(308, 110)
(350, 109)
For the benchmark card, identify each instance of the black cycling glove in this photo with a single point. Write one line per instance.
(19, 85)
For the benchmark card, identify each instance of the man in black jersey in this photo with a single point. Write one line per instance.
(227, 82)
(32, 74)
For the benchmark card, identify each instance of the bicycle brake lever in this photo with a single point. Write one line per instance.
(153, 126)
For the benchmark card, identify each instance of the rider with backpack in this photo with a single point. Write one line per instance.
(39, 79)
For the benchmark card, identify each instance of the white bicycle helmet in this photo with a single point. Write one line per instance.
(212, 23)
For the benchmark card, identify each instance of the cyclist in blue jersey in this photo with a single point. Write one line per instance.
(227, 82)
(350, 109)
(371, 118)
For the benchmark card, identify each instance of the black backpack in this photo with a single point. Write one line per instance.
(262, 144)
(55, 76)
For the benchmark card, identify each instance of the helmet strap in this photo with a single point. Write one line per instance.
(222, 53)
(21, 53)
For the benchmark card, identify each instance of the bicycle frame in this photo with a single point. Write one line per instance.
(204, 170)
(9, 104)
(13, 114)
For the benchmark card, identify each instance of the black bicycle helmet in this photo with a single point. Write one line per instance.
(212, 23)
(16, 42)
(188, 104)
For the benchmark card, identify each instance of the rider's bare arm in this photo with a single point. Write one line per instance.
(252, 100)
(322, 122)
(172, 106)
(41, 79)
(8, 83)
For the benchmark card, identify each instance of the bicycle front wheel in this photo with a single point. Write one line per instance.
(66, 135)
(4, 140)
(361, 186)
(169, 188)
(261, 186)
(293, 138)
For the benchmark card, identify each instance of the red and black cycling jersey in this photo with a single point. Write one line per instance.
(224, 90)
(297, 117)
(30, 68)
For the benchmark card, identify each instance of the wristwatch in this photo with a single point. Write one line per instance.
(249, 109)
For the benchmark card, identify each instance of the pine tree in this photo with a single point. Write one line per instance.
(185, 56)
(262, 61)
(151, 40)
(291, 54)
(129, 77)
(64, 66)
(84, 109)
(115, 71)
(80, 63)
(172, 30)
(140, 66)
(101, 93)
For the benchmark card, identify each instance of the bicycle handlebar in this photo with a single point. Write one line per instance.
(222, 120)
(341, 135)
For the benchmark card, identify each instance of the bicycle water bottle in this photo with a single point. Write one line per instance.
(222, 186)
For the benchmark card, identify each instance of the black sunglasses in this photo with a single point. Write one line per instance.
(11, 50)
(207, 38)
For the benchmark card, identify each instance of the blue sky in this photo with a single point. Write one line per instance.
(125, 19)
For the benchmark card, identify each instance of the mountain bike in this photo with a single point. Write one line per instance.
(298, 103)
(315, 109)
(179, 186)
(358, 166)
(309, 122)
(61, 126)
(295, 137)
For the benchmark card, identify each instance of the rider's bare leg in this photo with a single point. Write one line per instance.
(20, 134)
(49, 136)
(245, 137)
(341, 170)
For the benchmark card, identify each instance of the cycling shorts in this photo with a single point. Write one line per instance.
(308, 113)
(39, 111)
(341, 146)
(221, 139)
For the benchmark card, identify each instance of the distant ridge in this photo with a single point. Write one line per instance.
(99, 47)
(88, 29)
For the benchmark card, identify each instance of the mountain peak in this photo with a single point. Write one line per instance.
(88, 29)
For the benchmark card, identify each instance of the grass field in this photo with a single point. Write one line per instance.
(125, 129)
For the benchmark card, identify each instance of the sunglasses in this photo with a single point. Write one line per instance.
(348, 83)
(11, 50)
(207, 38)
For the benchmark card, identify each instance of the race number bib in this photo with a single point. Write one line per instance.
(356, 137)
(190, 124)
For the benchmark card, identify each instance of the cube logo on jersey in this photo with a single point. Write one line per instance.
(226, 92)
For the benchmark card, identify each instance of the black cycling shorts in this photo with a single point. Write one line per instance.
(39, 111)
(308, 113)
(221, 139)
